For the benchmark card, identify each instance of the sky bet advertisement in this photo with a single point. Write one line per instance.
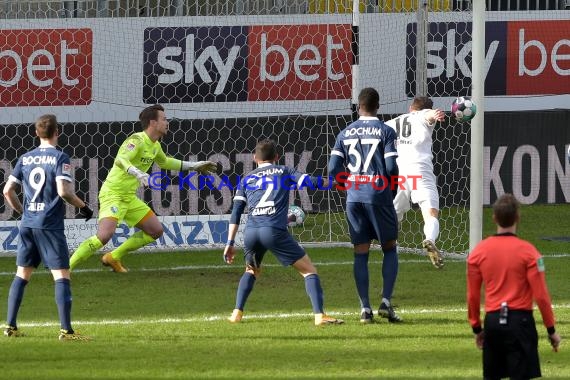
(521, 58)
(247, 63)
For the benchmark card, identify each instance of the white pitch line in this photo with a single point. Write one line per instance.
(225, 266)
(221, 266)
(214, 318)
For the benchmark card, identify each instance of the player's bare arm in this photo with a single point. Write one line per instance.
(237, 211)
(11, 196)
(434, 115)
(66, 190)
(229, 250)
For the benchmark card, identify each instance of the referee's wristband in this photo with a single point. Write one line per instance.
(550, 330)
(231, 243)
(477, 330)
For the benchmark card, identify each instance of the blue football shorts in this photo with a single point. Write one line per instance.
(37, 245)
(258, 240)
(367, 222)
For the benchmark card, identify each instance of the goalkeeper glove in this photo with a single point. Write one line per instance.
(202, 167)
(139, 174)
(86, 212)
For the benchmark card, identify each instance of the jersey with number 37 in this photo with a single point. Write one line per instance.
(37, 172)
(364, 145)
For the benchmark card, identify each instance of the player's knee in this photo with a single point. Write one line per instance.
(156, 232)
(309, 273)
(105, 236)
(362, 248)
(306, 268)
(58, 274)
(24, 272)
(256, 272)
(389, 245)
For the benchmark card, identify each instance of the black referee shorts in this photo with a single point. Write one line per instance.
(511, 350)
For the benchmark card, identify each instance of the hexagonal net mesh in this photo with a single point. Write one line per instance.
(225, 82)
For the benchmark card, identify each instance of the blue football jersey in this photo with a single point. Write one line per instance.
(266, 191)
(37, 172)
(363, 146)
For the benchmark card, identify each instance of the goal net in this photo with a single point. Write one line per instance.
(226, 82)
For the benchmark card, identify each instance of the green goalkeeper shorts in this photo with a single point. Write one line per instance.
(125, 208)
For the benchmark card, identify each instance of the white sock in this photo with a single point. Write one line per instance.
(431, 228)
(366, 309)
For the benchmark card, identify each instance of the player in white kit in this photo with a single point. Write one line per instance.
(414, 131)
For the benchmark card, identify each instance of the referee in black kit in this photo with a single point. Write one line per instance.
(513, 273)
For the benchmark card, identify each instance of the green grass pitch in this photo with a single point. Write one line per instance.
(166, 319)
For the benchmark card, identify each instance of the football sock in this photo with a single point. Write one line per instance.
(361, 278)
(431, 228)
(138, 240)
(63, 301)
(15, 296)
(244, 289)
(85, 251)
(315, 292)
(389, 271)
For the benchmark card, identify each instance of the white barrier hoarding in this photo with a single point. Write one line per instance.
(180, 233)
(89, 70)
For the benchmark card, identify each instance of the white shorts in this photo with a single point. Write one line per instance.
(422, 191)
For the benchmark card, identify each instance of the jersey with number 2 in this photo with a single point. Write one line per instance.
(266, 191)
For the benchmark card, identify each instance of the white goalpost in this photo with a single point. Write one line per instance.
(477, 125)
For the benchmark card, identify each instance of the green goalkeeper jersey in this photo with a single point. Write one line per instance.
(140, 151)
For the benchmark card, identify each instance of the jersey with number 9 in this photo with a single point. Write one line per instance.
(37, 172)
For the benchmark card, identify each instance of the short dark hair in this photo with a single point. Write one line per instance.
(46, 126)
(150, 113)
(266, 150)
(422, 103)
(369, 99)
(506, 210)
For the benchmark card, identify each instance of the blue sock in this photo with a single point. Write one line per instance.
(15, 299)
(361, 278)
(63, 301)
(244, 289)
(315, 292)
(389, 272)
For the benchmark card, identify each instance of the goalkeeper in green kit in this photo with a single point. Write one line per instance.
(118, 200)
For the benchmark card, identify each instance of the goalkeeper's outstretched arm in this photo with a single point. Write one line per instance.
(171, 163)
